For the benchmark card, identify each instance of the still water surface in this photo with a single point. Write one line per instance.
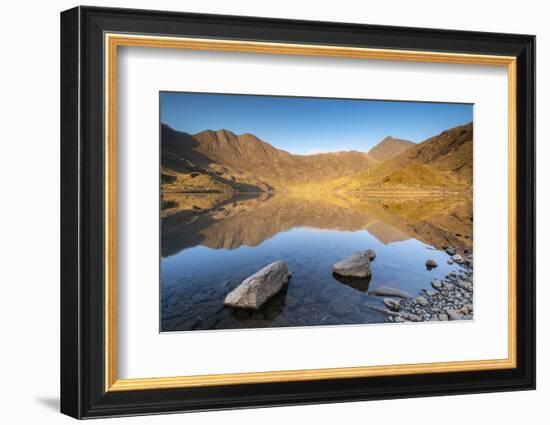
(210, 243)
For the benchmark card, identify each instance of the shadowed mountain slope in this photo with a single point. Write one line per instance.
(246, 163)
(224, 162)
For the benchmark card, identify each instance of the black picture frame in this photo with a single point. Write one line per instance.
(83, 392)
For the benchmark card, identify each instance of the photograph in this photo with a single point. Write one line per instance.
(281, 211)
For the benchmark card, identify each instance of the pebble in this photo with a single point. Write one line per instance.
(464, 310)
(410, 316)
(437, 284)
(422, 301)
(450, 299)
(465, 285)
(391, 303)
(457, 258)
(453, 314)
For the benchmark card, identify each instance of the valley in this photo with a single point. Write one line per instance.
(223, 162)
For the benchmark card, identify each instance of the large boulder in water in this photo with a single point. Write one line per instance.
(358, 265)
(255, 290)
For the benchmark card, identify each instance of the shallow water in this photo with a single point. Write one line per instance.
(211, 243)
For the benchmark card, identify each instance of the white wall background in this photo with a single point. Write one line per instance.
(29, 224)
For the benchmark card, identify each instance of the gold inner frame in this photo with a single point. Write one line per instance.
(113, 41)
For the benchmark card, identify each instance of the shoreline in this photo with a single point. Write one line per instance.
(349, 193)
(450, 299)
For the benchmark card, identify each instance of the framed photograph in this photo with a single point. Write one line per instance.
(261, 212)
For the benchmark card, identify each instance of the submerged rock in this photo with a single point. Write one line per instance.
(391, 303)
(255, 290)
(358, 265)
(383, 310)
(430, 264)
(384, 291)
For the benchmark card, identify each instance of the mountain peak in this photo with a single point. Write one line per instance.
(389, 147)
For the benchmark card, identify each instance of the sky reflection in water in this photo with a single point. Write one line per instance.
(209, 249)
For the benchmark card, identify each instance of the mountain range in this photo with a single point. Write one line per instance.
(222, 161)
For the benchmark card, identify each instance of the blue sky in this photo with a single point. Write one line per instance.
(311, 125)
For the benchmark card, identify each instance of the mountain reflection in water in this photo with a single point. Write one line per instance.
(211, 242)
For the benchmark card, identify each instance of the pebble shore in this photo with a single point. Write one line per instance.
(450, 298)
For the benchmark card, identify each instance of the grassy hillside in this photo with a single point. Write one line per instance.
(443, 162)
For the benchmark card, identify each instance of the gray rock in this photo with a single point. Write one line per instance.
(371, 253)
(422, 301)
(443, 317)
(410, 317)
(464, 310)
(453, 314)
(255, 290)
(431, 293)
(450, 250)
(358, 265)
(398, 319)
(431, 263)
(467, 317)
(382, 310)
(437, 284)
(391, 303)
(467, 286)
(384, 291)
(457, 258)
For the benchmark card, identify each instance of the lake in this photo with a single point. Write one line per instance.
(211, 242)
